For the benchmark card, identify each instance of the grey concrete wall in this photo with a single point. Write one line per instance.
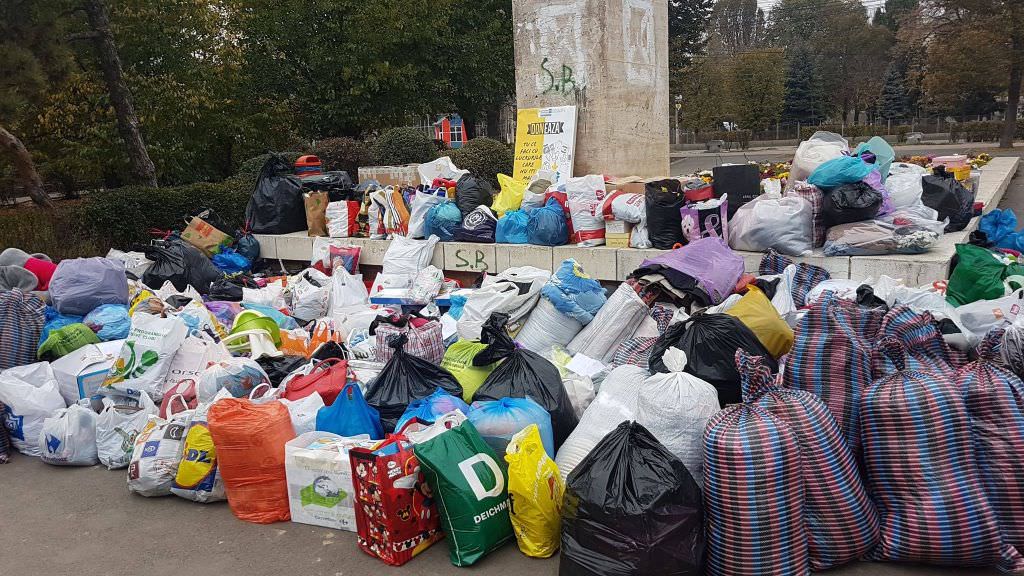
(610, 59)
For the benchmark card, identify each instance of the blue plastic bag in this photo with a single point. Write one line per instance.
(109, 322)
(498, 420)
(350, 415)
(573, 293)
(884, 154)
(458, 302)
(839, 171)
(512, 228)
(547, 225)
(230, 262)
(55, 321)
(248, 247)
(430, 408)
(284, 321)
(442, 220)
(1001, 228)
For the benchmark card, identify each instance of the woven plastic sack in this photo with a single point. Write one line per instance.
(458, 359)
(250, 440)
(613, 323)
(535, 494)
(82, 284)
(931, 498)
(584, 199)
(68, 438)
(752, 478)
(616, 402)
(842, 523)
(524, 374)
(631, 508)
(675, 407)
(995, 403)
(831, 358)
(471, 484)
(546, 328)
(925, 347)
(498, 421)
(756, 312)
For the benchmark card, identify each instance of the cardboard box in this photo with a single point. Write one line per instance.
(632, 184)
(397, 176)
(80, 373)
(617, 227)
(616, 240)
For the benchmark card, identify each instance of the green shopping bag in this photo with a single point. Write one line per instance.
(470, 484)
(977, 276)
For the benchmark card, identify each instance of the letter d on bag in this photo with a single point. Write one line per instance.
(469, 473)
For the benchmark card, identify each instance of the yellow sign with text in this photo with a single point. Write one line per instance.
(545, 138)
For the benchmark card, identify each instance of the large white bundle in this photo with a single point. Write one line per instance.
(584, 195)
(514, 292)
(319, 475)
(31, 395)
(311, 294)
(615, 321)
(784, 223)
(615, 403)
(815, 151)
(547, 327)
(905, 184)
(406, 256)
(676, 407)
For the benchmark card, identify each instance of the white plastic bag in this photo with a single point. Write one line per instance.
(983, 315)
(547, 327)
(319, 474)
(904, 184)
(675, 408)
(584, 195)
(197, 478)
(579, 387)
(194, 355)
(239, 376)
(615, 403)
(614, 322)
(270, 295)
(156, 455)
(30, 395)
(303, 411)
(443, 167)
(118, 425)
(339, 220)
(406, 256)
(815, 151)
(311, 295)
(514, 291)
(769, 221)
(422, 202)
(68, 438)
(426, 285)
(639, 238)
(347, 290)
(146, 356)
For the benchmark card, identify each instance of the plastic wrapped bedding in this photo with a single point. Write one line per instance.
(930, 497)
(614, 322)
(842, 523)
(547, 327)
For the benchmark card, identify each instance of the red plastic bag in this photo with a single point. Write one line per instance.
(396, 517)
(327, 378)
(250, 441)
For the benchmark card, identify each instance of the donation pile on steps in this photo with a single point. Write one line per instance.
(694, 419)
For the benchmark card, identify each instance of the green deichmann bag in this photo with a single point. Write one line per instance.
(470, 485)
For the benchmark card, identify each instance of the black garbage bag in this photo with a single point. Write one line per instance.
(951, 199)
(330, 349)
(742, 182)
(710, 342)
(275, 206)
(480, 225)
(281, 366)
(328, 181)
(403, 379)
(847, 203)
(247, 246)
(523, 374)
(631, 508)
(180, 263)
(663, 199)
(230, 289)
(471, 192)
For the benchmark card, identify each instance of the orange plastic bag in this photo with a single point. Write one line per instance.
(250, 440)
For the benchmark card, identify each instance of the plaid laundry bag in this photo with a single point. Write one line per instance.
(842, 523)
(925, 347)
(813, 195)
(995, 403)
(636, 350)
(832, 357)
(922, 472)
(807, 275)
(753, 494)
(22, 316)
(424, 338)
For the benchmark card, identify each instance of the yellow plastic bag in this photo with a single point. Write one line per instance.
(757, 313)
(535, 494)
(511, 195)
(458, 359)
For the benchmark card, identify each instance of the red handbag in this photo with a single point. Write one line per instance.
(327, 378)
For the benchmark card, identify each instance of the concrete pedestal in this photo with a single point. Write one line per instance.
(609, 58)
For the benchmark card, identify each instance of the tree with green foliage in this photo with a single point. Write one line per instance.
(399, 146)
(704, 87)
(758, 88)
(736, 26)
(686, 37)
(893, 102)
(804, 101)
(893, 12)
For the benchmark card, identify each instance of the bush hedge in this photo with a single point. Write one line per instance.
(343, 153)
(981, 131)
(399, 146)
(484, 157)
(59, 233)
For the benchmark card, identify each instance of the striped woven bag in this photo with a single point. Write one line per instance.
(925, 347)
(753, 494)
(922, 472)
(842, 524)
(995, 402)
(807, 275)
(832, 358)
(5, 439)
(22, 315)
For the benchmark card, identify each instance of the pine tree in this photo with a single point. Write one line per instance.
(803, 92)
(892, 103)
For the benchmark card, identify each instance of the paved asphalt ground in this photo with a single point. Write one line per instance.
(83, 522)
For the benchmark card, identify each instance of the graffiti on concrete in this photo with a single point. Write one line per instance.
(562, 83)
